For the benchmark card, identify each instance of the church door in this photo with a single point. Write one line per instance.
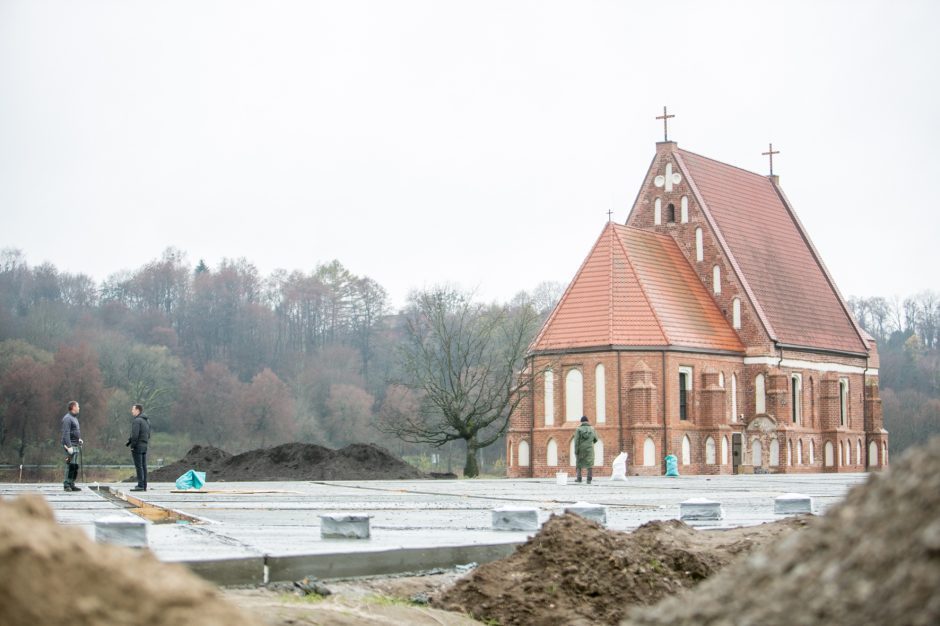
(735, 452)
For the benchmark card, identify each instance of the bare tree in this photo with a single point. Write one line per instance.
(464, 360)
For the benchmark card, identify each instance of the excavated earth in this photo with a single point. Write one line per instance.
(291, 461)
(574, 571)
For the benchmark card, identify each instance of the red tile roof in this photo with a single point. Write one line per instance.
(781, 270)
(635, 288)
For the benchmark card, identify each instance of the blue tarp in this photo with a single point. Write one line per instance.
(191, 480)
(672, 465)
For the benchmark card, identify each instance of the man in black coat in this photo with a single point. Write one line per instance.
(72, 442)
(138, 441)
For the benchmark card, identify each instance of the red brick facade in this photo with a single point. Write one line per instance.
(780, 404)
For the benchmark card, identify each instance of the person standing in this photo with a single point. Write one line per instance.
(584, 439)
(138, 442)
(71, 441)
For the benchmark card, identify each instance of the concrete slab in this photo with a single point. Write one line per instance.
(249, 523)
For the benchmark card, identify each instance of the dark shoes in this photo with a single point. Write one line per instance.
(72, 488)
(138, 489)
(577, 480)
(589, 481)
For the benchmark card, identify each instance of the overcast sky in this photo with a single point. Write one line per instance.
(480, 143)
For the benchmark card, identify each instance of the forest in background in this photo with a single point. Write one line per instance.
(221, 356)
(228, 357)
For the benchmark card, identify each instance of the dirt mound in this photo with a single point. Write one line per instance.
(292, 461)
(575, 571)
(198, 457)
(51, 574)
(875, 557)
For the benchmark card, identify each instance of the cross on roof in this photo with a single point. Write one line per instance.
(609, 213)
(771, 152)
(665, 118)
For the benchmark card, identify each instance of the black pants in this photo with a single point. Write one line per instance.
(71, 467)
(140, 464)
(590, 474)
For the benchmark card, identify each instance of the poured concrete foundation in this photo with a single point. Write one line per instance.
(700, 509)
(793, 504)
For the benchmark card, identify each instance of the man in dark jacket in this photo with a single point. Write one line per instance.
(138, 441)
(71, 441)
(584, 439)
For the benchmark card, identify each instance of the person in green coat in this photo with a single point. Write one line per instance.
(584, 439)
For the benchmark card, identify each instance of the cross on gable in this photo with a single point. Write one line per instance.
(665, 118)
(668, 179)
(771, 152)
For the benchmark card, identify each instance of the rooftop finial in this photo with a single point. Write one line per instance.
(771, 152)
(665, 118)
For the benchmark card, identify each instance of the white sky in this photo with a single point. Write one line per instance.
(480, 143)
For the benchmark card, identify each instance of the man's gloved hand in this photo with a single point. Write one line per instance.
(81, 442)
(70, 450)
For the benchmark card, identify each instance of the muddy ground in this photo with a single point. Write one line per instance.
(291, 461)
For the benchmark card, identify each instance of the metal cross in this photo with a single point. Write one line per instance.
(665, 118)
(771, 152)
(609, 213)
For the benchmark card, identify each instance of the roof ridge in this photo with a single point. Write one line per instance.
(639, 282)
(737, 167)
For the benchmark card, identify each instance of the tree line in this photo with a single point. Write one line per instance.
(908, 335)
(217, 355)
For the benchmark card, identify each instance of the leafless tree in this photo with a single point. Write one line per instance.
(464, 360)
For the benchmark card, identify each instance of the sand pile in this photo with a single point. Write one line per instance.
(574, 571)
(52, 574)
(292, 461)
(874, 558)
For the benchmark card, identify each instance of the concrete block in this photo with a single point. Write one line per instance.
(593, 512)
(792, 504)
(515, 518)
(700, 509)
(344, 526)
(121, 530)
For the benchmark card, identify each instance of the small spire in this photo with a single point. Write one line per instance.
(665, 118)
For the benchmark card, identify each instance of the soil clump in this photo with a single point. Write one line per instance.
(874, 557)
(52, 574)
(292, 461)
(575, 571)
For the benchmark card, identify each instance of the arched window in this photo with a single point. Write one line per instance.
(812, 402)
(841, 459)
(872, 454)
(599, 453)
(884, 453)
(774, 452)
(658, 212)
(848, 452)
(760, 397)
(710, 451)
(799, 452)
(684, 210)
(686, 451)
(600, 394)
(551, 453)
(716, 279)
(574, 395)
(649, 452)
(736, 313)
(843, 401)
(796, 398)
(812, 452)
(756, 460)
(510, 453)
(671, 213)
(699, 253)
(789, 452)
(828, 454)
(724, 450)
(721, 379)
(572, 460)
(858, 453)
(549, 378)
(523, 454)
(734, 397)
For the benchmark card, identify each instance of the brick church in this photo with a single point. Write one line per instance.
(706, 327)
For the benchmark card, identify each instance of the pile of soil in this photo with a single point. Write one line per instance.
(574, 571)
(51, 574)
(875, 557)
(292, 461)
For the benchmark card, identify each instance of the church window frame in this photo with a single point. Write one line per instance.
(716, 280)
(699, 249)
(684, 209)
(549, 397)
(658, 212)
(843, 401)
(551, 452)
(796, 398)
(671, 213)
(574, 394)
(760, 395)
(736, 313)
(600, 393)
(685, 387)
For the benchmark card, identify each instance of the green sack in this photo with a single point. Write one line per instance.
(191, 480)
